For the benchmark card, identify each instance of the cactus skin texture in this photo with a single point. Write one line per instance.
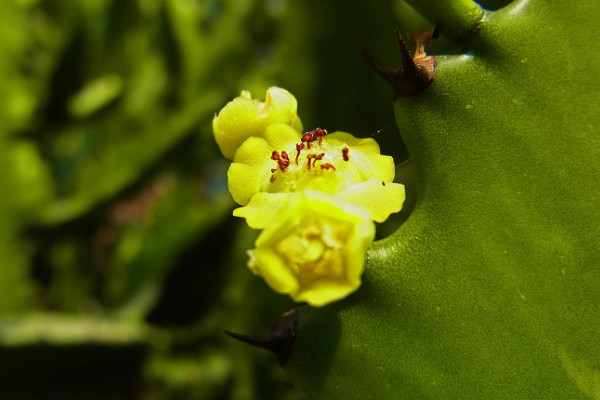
(491, 289)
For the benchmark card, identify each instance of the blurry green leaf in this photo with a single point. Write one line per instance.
(59, 329)
(95, 95)
(105, 175)
(31, 177)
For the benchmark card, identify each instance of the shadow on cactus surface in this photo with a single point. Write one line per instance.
(121, 262)
(491, 288)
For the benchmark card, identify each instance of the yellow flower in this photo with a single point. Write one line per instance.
(313, 245)
(314, 195)
(284, 161)
(244, 117)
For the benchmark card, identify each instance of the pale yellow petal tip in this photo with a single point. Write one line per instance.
(326, 293)
(239, 212)
(264, 209)
(378, 198)
(314, 248)
(280, 102)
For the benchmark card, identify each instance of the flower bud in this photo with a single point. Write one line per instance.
(244, 117)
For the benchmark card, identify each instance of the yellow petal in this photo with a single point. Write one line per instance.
(324, 292)
(279, 106)
(270, 266)
(251, 170)
(378, 198)
(236, 122)
(265, 208)
(281, 136)
(364, 155)
(368, 145)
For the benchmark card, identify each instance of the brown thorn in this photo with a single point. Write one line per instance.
(415, 74)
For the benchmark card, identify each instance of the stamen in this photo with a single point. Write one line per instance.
(318, 157)
(308, 137)
(299, 147)
(309, 157)
(321, 133)
(345, 154)
(313, 135)
(327, 166)
(283, 161)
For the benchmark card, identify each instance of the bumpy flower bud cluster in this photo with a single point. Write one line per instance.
(315, 196)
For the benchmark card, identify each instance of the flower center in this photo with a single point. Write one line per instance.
(313, 251)
(297, 168)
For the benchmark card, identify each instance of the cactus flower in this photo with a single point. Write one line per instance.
(312, 247)
(315, 196)
(244, 117)
(282, 161)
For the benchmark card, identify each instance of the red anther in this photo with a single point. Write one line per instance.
(321, 133)
(313, 135)
(383, 183)
(309, 136)
(345, 154)
(283, 164)
(283, 161)
(327, 166)
(273, 170)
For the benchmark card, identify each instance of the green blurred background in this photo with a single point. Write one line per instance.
(121, 262)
